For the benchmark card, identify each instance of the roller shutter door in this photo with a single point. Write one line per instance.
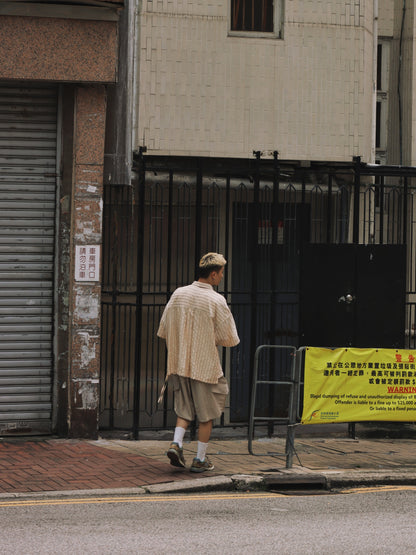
(28, 132)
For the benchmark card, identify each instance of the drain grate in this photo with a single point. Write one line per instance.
(297, 484)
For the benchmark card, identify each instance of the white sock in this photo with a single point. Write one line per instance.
(179, 435)
(202, 449)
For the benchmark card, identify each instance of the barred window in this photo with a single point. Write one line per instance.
(253, 15)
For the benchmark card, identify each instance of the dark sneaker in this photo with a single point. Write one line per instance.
(201, 466)
(175, 454)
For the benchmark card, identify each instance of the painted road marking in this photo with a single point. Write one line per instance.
(135, 499)
(376, 489)
(191, 497)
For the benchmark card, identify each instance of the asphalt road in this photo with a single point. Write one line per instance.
(367, 521)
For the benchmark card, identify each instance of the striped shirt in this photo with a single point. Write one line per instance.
(194, 322)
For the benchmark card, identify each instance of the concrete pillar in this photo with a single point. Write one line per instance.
(86, 230)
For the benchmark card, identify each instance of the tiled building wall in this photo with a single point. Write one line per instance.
(204, 92)
(401, 126)
(408, 86)
(385, 18)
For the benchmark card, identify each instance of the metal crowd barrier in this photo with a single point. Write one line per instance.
(295, 384)
(294, 393)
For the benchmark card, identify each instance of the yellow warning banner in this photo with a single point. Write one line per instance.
(358, 385)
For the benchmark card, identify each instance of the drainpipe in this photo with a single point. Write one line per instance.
(374, 111)
(374, 122)
(399, 85)
(134, 7)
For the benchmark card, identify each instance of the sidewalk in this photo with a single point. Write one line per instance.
(50, 466)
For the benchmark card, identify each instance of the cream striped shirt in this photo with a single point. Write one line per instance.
(194, 322)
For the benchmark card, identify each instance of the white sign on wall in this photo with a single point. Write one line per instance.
(87, 262)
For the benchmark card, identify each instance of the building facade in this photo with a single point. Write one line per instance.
(243, 119)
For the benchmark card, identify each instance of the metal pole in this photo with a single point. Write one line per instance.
(168, 273)
(226, 250)
(356, 216)
(405, 197)
(293, 409)
(198, 215)
(115, 261)
(139, 293)
(254, 257)
(273, 281)
(329, 222)
(198, 233)
(227, 231)
(381, 206)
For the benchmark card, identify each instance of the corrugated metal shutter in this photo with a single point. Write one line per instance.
(28, 131)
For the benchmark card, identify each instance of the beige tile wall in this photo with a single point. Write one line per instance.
(386, 17)
(203, 92)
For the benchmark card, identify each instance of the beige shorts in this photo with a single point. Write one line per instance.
(192, 397)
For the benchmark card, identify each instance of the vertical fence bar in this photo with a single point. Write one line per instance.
(170, 226)
(227, 231)
(275, 230)
(356, 240)
(273, 277)
(114, 253)
(329, 211)
(356, 216)
(293, 407)
(197, 256)
(381, 208)
(405, 197)
(226, 255)
(198, 214)
(168, 274)
(254, 269)
(139, 292)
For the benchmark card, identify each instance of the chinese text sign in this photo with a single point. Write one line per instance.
(87, 262)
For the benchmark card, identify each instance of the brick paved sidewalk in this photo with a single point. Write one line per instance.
(62, 465)
(54, 465)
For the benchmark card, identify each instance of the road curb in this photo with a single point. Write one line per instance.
(284, 480)
(211, 483)
(336, 479)
(63, 494)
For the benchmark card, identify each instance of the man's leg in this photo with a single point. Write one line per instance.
(181, 427)
(183, 406)
(204, 433)
(209, 402)
(175, 451)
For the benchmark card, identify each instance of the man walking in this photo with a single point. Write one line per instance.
(195, 321)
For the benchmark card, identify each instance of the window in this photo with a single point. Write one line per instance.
(378, 125)
(379, 67)
(253, 15)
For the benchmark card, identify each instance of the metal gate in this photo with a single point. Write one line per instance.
(28, 137)
(353, 295)
(260, 213)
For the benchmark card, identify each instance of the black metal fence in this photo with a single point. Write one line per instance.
(259, 213)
